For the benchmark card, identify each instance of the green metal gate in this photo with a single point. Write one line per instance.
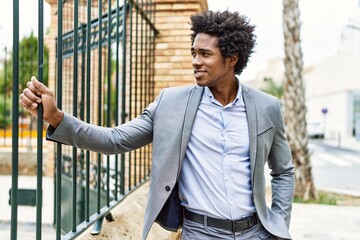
(104, 76)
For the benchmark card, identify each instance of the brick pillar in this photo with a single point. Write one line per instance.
(172, 45)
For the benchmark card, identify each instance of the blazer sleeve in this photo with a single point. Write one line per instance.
(126, 137)
(282, 171)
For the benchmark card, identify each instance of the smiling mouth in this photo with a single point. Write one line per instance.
(199, 73)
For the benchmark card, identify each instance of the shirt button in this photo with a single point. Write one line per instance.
(167, 188)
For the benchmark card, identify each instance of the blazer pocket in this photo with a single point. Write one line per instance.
(264, 143)
(265, 133)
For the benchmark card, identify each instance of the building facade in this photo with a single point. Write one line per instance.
(333, 86)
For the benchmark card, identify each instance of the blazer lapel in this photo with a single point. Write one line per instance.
(190, 113)
(252, 123)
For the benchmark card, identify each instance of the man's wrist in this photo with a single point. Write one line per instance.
(56, 118)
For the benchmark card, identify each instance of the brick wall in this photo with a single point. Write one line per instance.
(172, 49)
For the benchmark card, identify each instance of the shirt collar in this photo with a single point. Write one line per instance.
(209, 94)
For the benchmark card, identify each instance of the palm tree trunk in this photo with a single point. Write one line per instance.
(294, 102)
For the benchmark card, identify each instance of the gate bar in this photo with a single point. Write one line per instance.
(15, 122)
(144, 16)
(88, 81)
(130, 84)
(59, 103)
(142, 152)
(152, 18)
(39, 170)
(117, 96)
(75, 109)
(108, 109)
(82, 113)
(136, 82)
(99, 102)
(147, 80)
(123, 115)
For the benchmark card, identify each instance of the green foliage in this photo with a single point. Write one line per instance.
(29, 61)
(5, 110)
(324, 198)
(7, 65)
(273, 88)
(28, 64)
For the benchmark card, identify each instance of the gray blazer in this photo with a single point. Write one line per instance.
(167, 123)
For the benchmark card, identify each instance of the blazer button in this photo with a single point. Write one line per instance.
(167, 188)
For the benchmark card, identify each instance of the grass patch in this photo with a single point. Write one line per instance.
(324, 198)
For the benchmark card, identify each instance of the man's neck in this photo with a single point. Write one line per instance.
(226, 93)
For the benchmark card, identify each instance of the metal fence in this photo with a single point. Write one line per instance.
(104, 75)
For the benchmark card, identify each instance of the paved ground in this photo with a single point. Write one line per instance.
(325, 222)
(26, 214)
(309, 221)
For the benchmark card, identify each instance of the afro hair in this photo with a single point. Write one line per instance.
(234, 32)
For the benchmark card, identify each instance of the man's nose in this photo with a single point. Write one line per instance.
(196, 61)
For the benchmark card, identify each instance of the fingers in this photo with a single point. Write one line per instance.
(38, 87)
(28, 99)
(30, 85)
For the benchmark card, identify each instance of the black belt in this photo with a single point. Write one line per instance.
(226, 224)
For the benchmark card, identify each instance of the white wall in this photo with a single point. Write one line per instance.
(338, 119)
(330, 84)
(336, 74)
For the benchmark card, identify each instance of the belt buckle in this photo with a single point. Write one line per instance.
(239, 225)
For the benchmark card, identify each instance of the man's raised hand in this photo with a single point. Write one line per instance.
(37, 93)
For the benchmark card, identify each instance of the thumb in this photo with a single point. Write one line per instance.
(40, 87)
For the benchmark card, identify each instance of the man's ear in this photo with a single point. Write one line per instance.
(233, 60)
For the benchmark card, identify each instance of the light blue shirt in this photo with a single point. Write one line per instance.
(215, 178)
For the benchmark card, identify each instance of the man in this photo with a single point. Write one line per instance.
(210, 142)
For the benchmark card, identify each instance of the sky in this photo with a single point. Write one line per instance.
(322, 24)
(28, 18)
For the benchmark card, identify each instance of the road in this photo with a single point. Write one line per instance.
(336, 169)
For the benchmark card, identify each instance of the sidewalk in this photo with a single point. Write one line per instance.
(314, 221)
(27, 214)
(347, 144)
(309, 221)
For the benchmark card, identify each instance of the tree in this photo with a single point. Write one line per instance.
(28, 60)
(271, 87)
(5, 97)
(6, 74)
(294, 102)
(28, 66)
(5, 109)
